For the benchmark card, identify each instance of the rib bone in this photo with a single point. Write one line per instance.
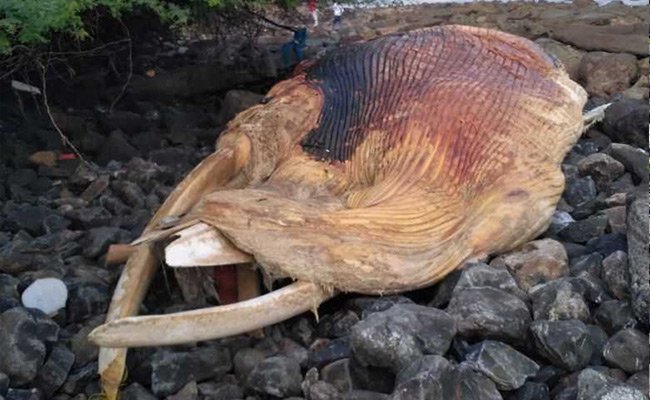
(213, 322)
(201, 245)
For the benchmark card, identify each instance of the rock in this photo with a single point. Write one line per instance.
(604, 74)
(507, 367)
(607, 244)
(188, 392)
(135, 391)
(55, 371)
(593, 385)
(125, 121)
(614, 315)
(617, 39)
(338, 374)
(473, 386)
(559, 221)
(27, 217)
(23, 339)
(48, 295)
(276, 376)
(584, 230)
(325, 351)
(364, 395)
(564, 343)
(116, 147)
(634, 159)
(173, 370)
(617, 219)
(532, 391)
(580, 190)
(638, 380)
(129, 192)
(626, 121)
(245, 361)
(489, 313)
(8, 292)
(4, 384)
(23, 394)
(602, 167)
(235, 102)
(637, 235)
(220, 391)
(559, 300)
(589, 263)
(627, 350)
(79, 378)
(615, 274)
(569, 56)
(375, 379)
(98, 240)
(323, 391)
(430, 377)
(598, 338)
(86, 298)
(22, 177)
(368, 305)
(337, 324)
(481, 275)
(536, 262)
(398, 336)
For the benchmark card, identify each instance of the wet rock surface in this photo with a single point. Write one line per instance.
(563, 317)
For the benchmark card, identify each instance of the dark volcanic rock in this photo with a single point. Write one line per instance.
(533, 391)
(398, 336)
(616, 276)
(627, 350)
(580, 190)
(564, 343)
(559, 300)
(173, 370)
(583, 230)
(55, 370)
(634, 159)
(507, 367)
(430, 377)
(593, 385)
(481, 275)
(602, 167)
(277, 376)
(637, 232)
(24, 335)
(626, 121)
(614, 315)
(489, 313)
(116, 147)
(135, 391)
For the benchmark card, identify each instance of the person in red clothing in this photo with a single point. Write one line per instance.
(312, 6)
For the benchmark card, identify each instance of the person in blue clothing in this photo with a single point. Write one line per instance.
(295, 46)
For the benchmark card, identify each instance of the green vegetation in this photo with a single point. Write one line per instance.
(32, 23)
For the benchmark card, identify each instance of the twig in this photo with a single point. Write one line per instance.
(64, 138)
(128, 78)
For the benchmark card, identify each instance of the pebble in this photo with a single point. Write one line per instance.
(481, 275)
(276, 376)
(580, 190)
(633, 158)
(337, 324)
(323, 391)
(627, 350)
(489, 313)
(507, 367)
(338, 374)
(602, 167)
(189, 392)
(640, 381)
(637, 238)
(396, 337)
(23, 394)
(598, 338)
(220, 390)
(4, 384)
(429, 377)
(559, 221)
(364, 395)
(593, 385)
(325, 351)
(48, 295)
(136, 391)
(245, 361)
(565, 344)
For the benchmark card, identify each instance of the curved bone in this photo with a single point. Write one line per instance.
(201, 245)
(212, 172)
(213, 322)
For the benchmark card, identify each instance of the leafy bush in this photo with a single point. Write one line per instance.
(32, 22)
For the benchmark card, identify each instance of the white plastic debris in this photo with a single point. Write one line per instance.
(23, 87)
(48, 295)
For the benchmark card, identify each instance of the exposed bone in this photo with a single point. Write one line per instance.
(119, 253)
(202, 245)
(595, 115)
(214, 171)
(213, 322)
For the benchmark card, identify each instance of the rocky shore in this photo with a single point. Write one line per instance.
(564, 318)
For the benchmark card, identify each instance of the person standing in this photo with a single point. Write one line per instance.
(338, 11)
(312, 6)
